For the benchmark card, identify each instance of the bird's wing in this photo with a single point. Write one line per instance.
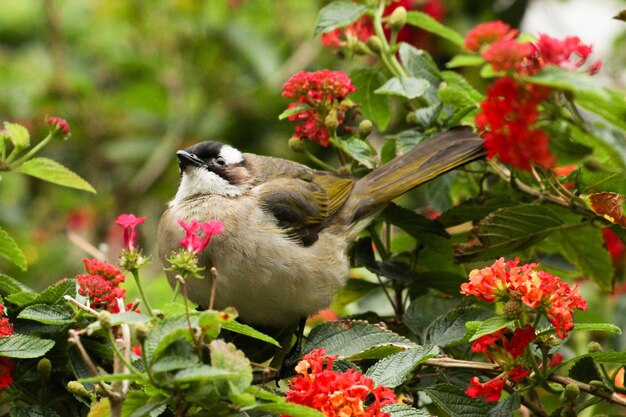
(302, 206)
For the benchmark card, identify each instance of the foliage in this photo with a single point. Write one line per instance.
(552, 199)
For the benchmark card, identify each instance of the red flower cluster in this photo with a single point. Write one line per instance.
(317, 94)
(101, 284)
(129, 222)
(6, 328)
(193, 241)
(334, 393)
(507, 117)
(536, 289)
(58, 124)
(361, 29)
(6, 369)
(508, 114)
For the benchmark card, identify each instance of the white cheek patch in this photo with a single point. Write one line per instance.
(199, 181)
(231, 155)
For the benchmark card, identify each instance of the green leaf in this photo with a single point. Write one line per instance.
(111, 378)
(473, 210)
(585, 370)
(10, 250)
(373, 106)
(290, 409)
(388, 151)
(423, 311)
(353, 290)
(338, 14)
(357, 149)
(610, 357)
(204, 373)
(407, 87)
(47, 314)
(19, 135)
(32, 411)
(419, 64)
(246, 330)
(173, 363)
(226, 356)
(414, 224)
(293, 110)
(450, 329)
(24, 346)
(355, 340)
(488, 326)
(140, 404)
(507, 407)
(51, 171)
(166, 332)
(22, 298)
(9, 285)
(465, 60)
(584, 248)
(426, 22)
(512, 229)
(600, 327)
(453, 402)
(55, 293)
(456, 80)
(404, 410)
(396, 369)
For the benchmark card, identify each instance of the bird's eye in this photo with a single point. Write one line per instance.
(220, 161)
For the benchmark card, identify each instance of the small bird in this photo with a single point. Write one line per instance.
(288, 227)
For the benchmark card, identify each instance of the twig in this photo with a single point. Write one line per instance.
(74, 339)
(81, 305)
(597, 391)
(85, 245)
(213, 287)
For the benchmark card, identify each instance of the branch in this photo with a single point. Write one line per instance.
(603, 393)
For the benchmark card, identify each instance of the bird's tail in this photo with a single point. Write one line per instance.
(438, 155)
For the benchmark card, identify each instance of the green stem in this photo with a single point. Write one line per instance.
(386, 56)
(382, 250)
(176, 290)
(135, 273)
(119, 354)
(30, 153)
(319, 162)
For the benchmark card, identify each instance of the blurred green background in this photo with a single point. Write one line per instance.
(139, 79)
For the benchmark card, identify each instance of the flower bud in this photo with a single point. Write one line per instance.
(365, 128)
(411, 118)
(296, 144)
(592, 163)
(397, 19)
(331, 121)
(594, 347)
(78, 389)
(44, 367)
(59, 127)
(141, 331)
(571, 393)
(375, 44)
(105, 319)
(512, 310)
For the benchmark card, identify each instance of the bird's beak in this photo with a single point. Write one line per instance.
(185, 159)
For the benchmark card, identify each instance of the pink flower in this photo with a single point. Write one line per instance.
(129, 222)
(58, 124)
(193, 241)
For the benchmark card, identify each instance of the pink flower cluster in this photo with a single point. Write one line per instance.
(193, 240)
(101, 284)
(317, 94)
(336, 394)
(510, 111)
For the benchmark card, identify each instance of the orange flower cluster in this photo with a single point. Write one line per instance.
(334, 393)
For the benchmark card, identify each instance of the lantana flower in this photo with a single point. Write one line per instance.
(336, 394)
(319, 102)
(6, 328)
(101, 284)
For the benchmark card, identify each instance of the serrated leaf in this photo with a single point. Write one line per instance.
(338, 14)
(18, 134)
(10, 251)
(483, 328)
(51, 171)
(298, 108)
(512, 229)
(22, 298)
(373, 106)
(411, 222)
(47, 314)
(454, 79)
(404, 410)
(585, 370)
(139, 404)
(55, 293)
(355, 339)
(419, 64)
(9, 285)
(584, 248)
(473, 210)
(450, 329)
(357, 149)
(610, 357)
(32, 411)
(226, 356)
(166, 332)
(172, 363)
(453, 402)
(290, 409)
(396, 369)
(246, 330)
(204, 373)
(423, 311)
(407, 87)
(24, 346)
(426, 22)
(465, 60)
(507, 407)
(388, 151)
(600, 327)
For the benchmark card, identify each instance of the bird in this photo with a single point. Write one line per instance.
(288, 227)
